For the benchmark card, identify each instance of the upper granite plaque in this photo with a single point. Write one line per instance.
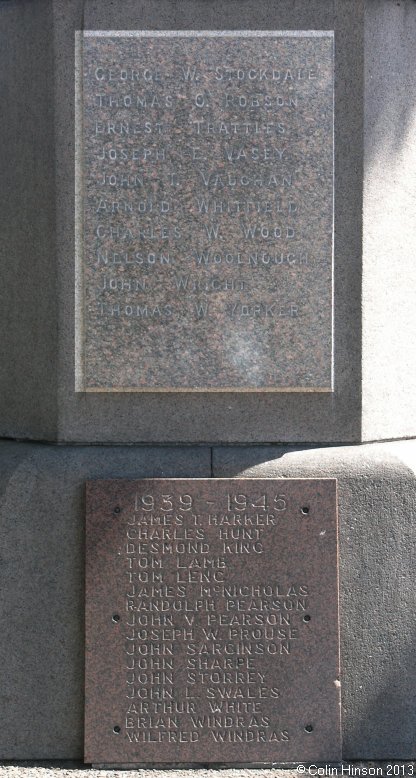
(204, 211)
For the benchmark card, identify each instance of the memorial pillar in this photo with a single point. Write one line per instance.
(207, 367)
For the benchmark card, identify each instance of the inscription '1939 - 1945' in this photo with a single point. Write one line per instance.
(206, 609)
(205, 199)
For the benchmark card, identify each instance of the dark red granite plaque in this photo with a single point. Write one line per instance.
(205, 211)
(212, 622)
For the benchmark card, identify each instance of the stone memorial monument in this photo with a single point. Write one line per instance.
(207, 401)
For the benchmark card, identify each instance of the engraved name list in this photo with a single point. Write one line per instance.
(208, 604)
(205, 180)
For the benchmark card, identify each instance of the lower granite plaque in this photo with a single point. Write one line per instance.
(204, 211)
(212, 622)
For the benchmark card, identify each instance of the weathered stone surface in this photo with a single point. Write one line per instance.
(28, 295)
(208, 604)
(37, 397)
(42, 644)
(205, 177)
(377, 500)
(389, 229)
(42, 509)
(165, 416)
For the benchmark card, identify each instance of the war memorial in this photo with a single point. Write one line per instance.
(207, 410)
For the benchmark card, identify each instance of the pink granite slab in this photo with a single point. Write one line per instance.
(205, 247)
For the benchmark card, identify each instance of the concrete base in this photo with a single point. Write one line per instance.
(76, 771)
(42, 641)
